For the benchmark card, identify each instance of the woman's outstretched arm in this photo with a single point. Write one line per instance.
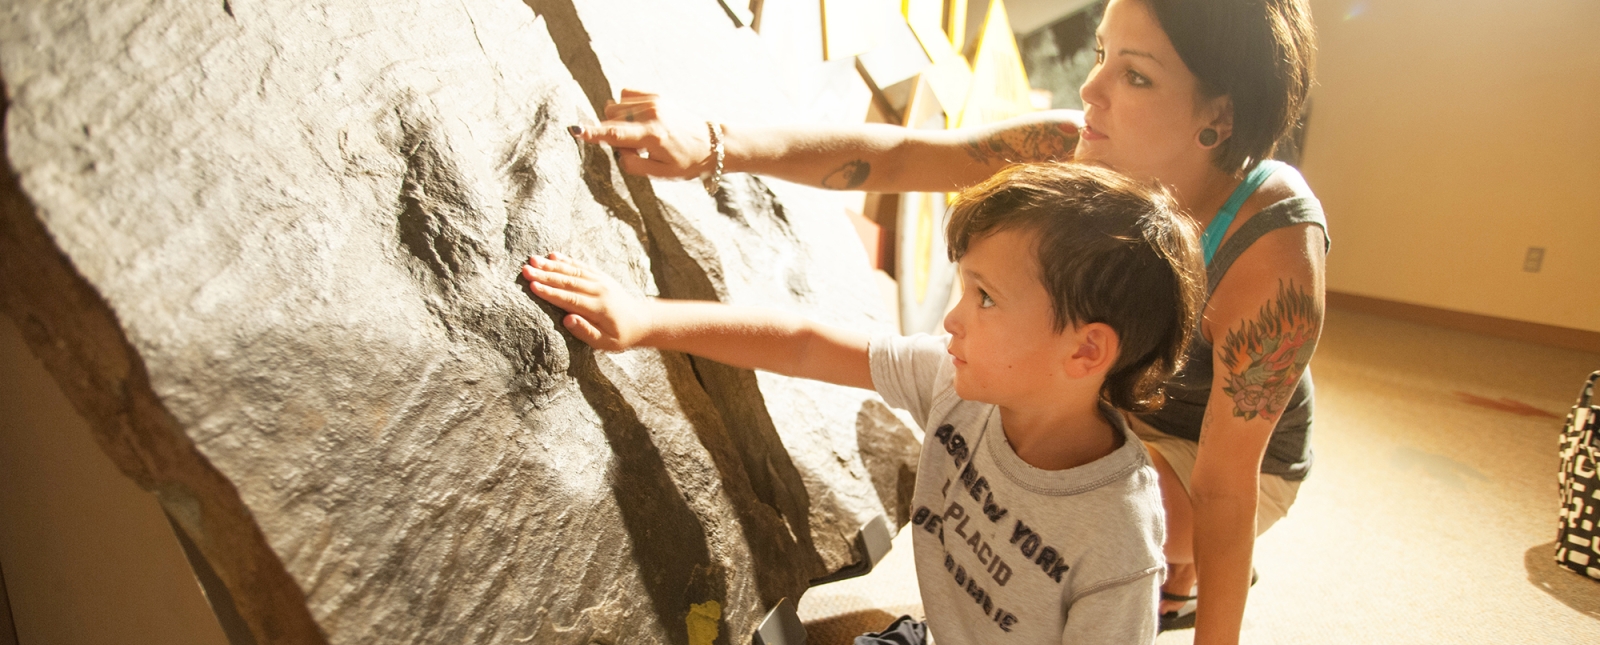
(875, 157)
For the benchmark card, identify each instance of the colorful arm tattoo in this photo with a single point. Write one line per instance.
(853, 173)
(1032, 142)
(1266, 356)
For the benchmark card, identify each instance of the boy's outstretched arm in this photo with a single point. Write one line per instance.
(602, 314)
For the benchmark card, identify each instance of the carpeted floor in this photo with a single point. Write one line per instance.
(1429, 516)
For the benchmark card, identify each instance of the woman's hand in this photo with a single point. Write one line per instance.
(599, 311)
(649, 140)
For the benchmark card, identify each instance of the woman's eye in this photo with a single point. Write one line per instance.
(1099, 55)
(1137, 80)
(984, 300)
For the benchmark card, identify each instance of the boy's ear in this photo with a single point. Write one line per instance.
(1096, 351)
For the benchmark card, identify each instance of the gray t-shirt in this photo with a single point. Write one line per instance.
(1009, 553)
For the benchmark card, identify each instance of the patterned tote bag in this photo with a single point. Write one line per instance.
(1578, 538)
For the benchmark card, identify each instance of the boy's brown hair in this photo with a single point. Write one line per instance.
(1110, 250)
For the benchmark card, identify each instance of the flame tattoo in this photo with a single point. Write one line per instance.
(1266, 356)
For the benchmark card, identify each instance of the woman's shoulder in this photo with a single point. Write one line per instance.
(1285, 190)
(1286, 183)
(1291, 256)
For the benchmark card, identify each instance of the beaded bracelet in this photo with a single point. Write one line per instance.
(713, 180)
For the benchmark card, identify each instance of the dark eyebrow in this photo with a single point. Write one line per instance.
(1141, 54)
(1098, 40)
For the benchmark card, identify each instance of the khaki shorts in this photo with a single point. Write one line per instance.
(1276, 496)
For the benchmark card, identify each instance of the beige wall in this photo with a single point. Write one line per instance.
(88, 556)
(1447, 137)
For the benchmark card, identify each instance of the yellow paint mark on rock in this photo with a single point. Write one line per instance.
(703, 619)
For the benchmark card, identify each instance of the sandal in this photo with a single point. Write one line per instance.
(1183, 617)
(1189, 605)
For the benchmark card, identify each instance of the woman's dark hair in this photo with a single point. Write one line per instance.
(1110, 250)
(1259, 53)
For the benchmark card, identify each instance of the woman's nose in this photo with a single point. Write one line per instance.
(1093, 92)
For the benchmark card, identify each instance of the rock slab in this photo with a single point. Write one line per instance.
(270, 250)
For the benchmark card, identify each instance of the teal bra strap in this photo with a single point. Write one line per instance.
(1212, 238)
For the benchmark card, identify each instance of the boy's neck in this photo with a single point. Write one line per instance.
(1061, 436)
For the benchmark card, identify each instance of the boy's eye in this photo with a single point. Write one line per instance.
(984, 300)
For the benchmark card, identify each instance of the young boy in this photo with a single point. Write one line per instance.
(1036, 513)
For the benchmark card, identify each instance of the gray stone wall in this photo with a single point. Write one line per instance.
(270, 250)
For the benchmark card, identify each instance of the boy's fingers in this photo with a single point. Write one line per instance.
(549, 264)
(636, 94)
(581, 328)
(565, 282)
(566, 287)
(568, 301)
(530, 272)
(541, 273)
(561, 299)
(557, 263)
(583, 269)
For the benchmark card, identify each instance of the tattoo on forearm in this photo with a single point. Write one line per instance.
(1266, 356)
(852, 174)
(1035, 142)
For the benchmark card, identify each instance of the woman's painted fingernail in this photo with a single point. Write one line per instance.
(575, 130)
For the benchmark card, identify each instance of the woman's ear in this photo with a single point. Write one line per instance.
(1220, 109)
(1096, 352)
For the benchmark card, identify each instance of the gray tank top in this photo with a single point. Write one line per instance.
(1289, 450)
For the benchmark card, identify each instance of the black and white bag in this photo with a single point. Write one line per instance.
(1578, 538)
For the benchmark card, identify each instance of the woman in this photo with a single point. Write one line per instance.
(1190, 93)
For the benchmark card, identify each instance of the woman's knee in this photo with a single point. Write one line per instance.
(1179, 509)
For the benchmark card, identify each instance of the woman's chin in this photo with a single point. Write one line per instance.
(1085, 152)
(1095, 153)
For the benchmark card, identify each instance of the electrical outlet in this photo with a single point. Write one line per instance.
(1534, 260)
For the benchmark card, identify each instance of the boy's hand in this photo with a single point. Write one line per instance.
(599, 311)
(603, 314)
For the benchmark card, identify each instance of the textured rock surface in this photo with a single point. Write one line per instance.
(754, 244)
(270, 250)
